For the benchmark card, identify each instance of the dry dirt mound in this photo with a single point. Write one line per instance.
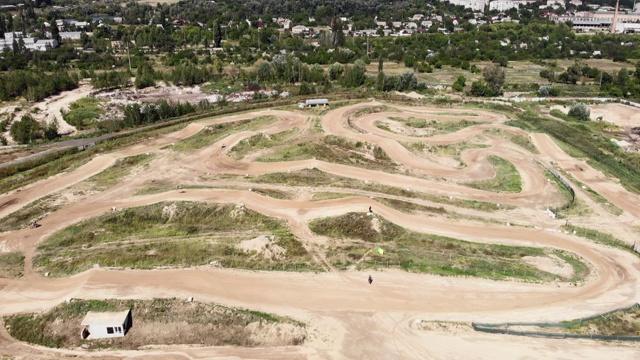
(264, 246)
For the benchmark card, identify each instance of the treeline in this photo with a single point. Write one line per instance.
(137, 115)
(622, 83)
(35, 86)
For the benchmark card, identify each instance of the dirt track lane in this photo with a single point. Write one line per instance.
(348, 318)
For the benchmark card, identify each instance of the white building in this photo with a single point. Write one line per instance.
(475, 5)
(30, 43)
(70, 35)
(504, 5)
(299, 29)
(103, 325)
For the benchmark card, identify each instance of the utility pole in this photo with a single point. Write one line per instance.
(129, 55)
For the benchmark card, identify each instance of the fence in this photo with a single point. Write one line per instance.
(566, 185)
(502, 328)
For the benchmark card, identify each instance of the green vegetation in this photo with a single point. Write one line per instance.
(595, 196)
(520, 140)
(336, 150)
(327, 195)
(448, 150)
(619, 323)
(568, 199)
(359, 234)
(15, 176)
(11, 264)
(178, 234)
(435, 127)
(320, 178)
(276, 194)
(507, 178)
(82, 112)
(601, 152)
(118, 171)
(599, 237)
(213, 133)
(35, 210)
(259, 141)
(411, 207)
(205, 324)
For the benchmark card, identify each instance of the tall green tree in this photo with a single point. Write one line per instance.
(26, 130)
(217, 34)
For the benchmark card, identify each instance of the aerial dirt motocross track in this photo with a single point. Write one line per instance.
(346, 317)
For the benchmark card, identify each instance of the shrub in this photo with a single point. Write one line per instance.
(580, 111)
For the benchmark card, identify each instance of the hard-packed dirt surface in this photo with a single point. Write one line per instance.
(348, 318)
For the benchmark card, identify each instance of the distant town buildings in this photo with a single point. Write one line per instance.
(30, 43)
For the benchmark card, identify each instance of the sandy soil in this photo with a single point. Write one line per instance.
(348, 318)
(622, 115)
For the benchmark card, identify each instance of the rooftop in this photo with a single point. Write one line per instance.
(105, 318)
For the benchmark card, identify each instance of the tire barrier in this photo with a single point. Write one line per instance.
(503, 328)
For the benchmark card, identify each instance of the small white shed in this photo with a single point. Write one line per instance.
(103, 325)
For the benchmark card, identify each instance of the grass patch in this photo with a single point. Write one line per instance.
(276, 194)
(259, 141)
(507, 178)
(520, 140)
(577, 209)
(602, 153)
(204, 324)
(118, 171)
(35, 210)
(82, 112)
(448, 150)
(335, 150)
(426, 253)
(619, 323)
(599, 237)
(16, 176)
(595, 196)
(213, 133)
(410, 207)
(176, 234)
(320, 178)
(435, 127)
(11, 265)
(328, 195)
(221, 87)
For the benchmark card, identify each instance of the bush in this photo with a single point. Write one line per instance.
(580, 111)
(546, 90)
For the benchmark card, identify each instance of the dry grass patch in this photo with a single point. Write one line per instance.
(158, 322)
(358, 234)
(11, 265)
(179, 234)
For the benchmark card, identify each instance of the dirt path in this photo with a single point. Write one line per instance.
(348, 318)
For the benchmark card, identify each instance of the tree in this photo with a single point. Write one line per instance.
(338, 35)
(217, 34)
(458, 86)
(55, 32)
(380, 64)
(494, 77)
(580, 111)
(26, 130)
(335, 71)
(51, 130)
